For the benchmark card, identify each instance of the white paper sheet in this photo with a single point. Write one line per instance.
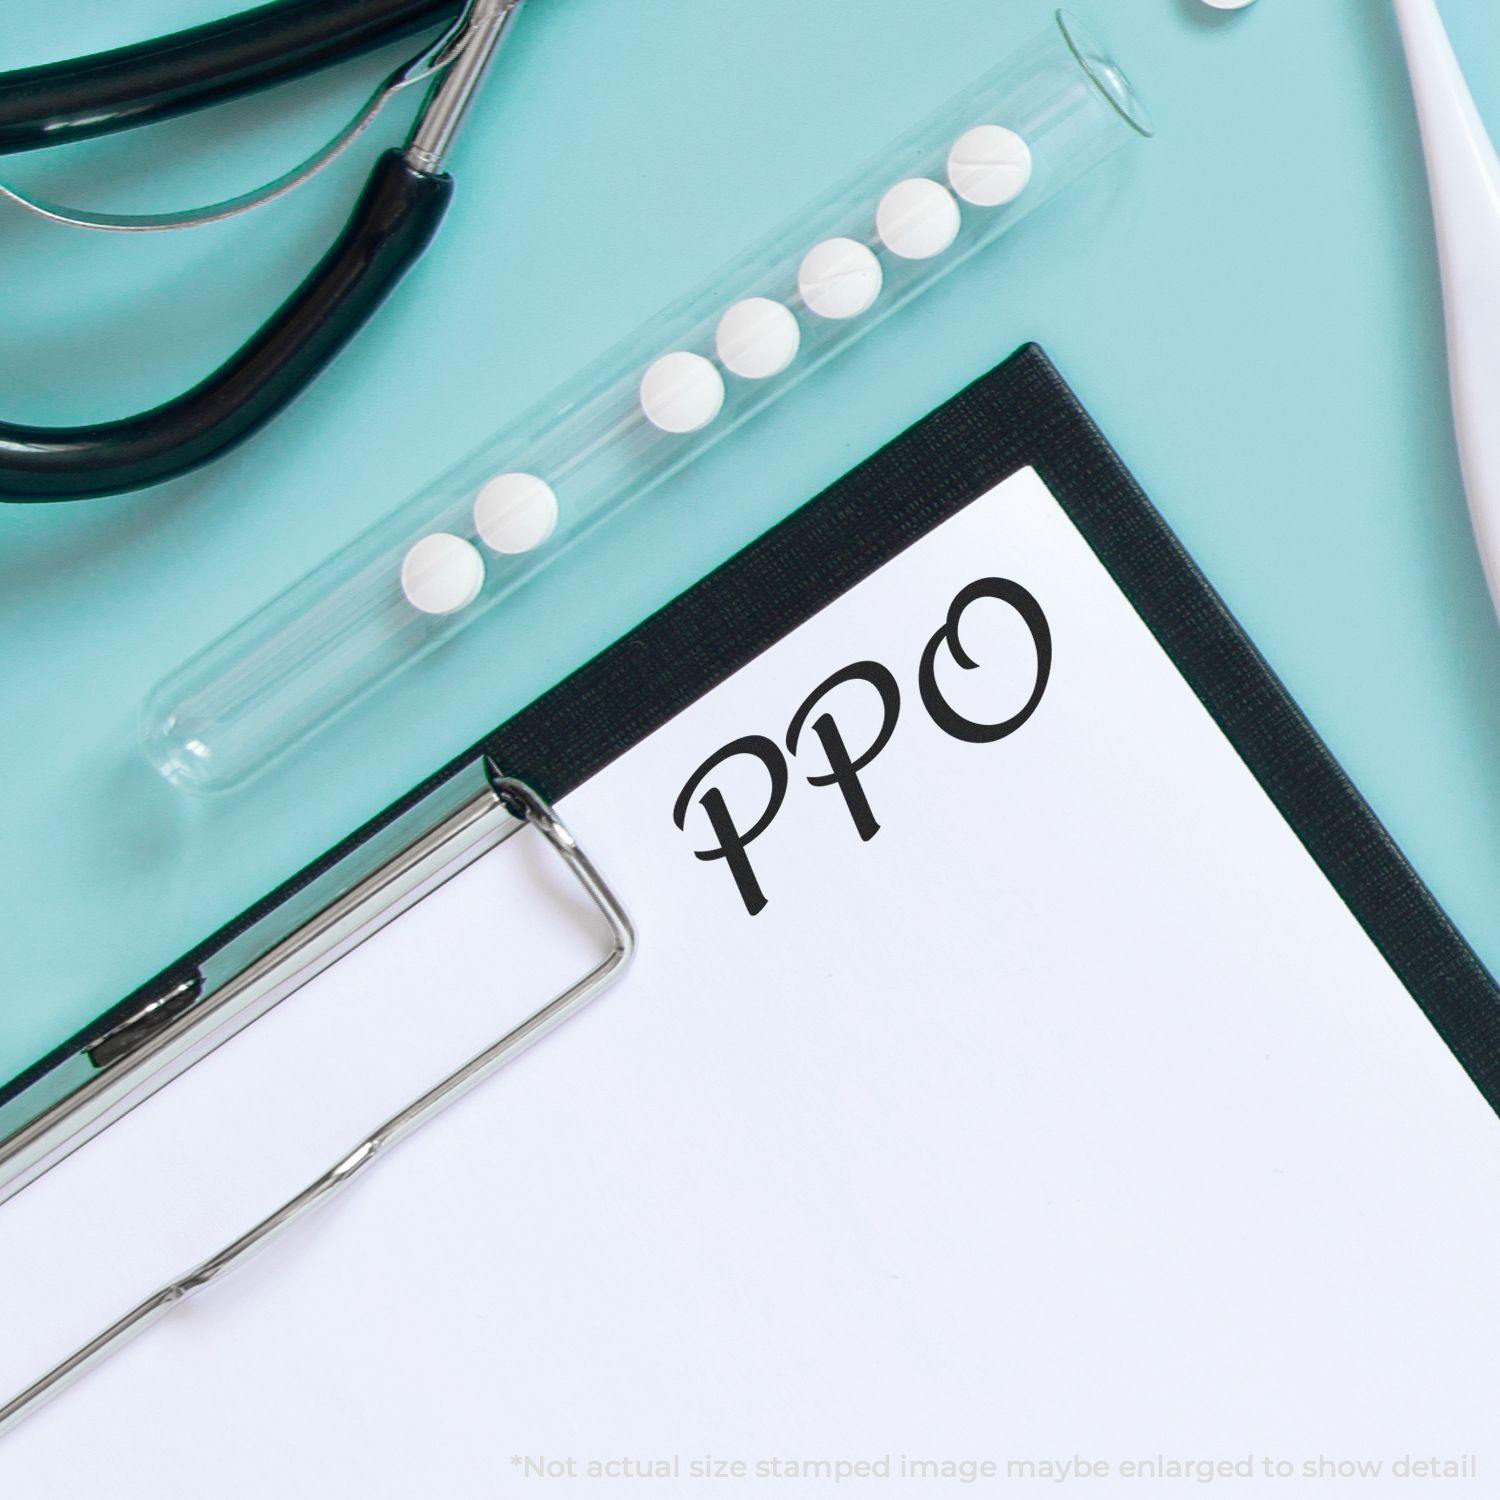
(1070, 1117)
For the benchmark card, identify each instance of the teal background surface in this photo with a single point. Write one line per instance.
(1248, 305)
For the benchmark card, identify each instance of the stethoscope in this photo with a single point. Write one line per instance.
(392, 222)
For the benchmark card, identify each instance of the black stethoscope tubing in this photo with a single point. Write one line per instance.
(392, 222)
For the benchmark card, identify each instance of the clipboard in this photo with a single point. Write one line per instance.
(1021, 415)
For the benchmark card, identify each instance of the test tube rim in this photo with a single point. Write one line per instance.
(1118, 92)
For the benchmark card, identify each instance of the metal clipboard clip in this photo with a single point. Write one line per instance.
(481, 822)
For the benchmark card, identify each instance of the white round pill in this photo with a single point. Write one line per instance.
(917, 219)
(1227, 4)
(839, 278)
(515, 512)
(989, 165)
(441, 573)
(682, 392)
(757, 338)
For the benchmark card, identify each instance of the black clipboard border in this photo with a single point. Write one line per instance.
(1021, 414)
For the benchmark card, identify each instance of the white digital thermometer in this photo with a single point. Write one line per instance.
(1464, 173)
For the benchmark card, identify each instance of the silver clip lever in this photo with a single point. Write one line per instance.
(526, 805)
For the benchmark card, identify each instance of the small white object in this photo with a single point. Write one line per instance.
(989, 166)
(757, 338)
(1463, 170)
(682, 392)
(1229, 4)
(442, 573)
(839, 278)
(917, 219)
(515, 512)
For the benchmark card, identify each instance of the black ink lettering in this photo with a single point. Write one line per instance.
(844, 770)
(943, 715)
(733, 843)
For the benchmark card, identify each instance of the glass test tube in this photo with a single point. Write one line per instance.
(443, 559)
